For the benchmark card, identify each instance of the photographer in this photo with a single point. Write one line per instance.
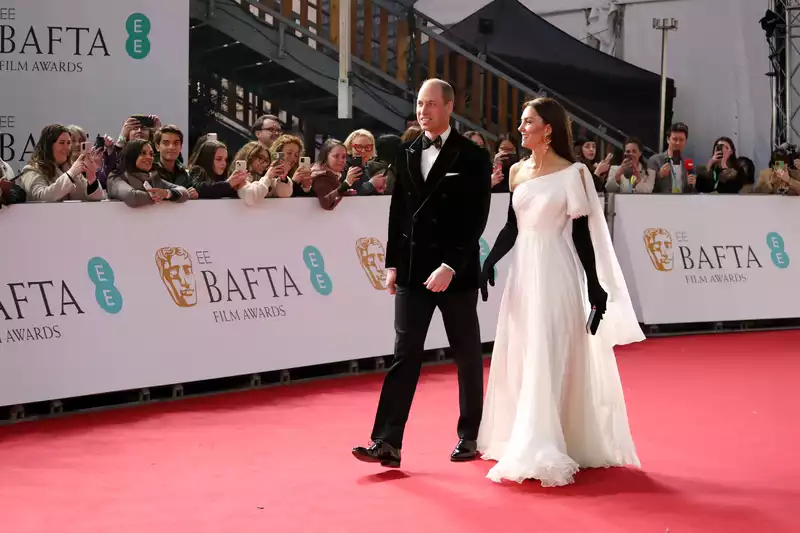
(631, 176)
(723, 174)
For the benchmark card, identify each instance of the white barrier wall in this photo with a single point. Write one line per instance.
(92, 63)
(98, 297)
(709, 258)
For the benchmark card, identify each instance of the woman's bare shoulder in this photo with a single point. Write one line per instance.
(515, 174)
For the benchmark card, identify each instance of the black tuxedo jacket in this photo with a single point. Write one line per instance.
(440, 219)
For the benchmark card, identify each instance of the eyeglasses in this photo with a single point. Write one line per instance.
(363, 147)
(272, 130)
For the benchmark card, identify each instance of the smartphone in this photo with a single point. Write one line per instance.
(591, 326)
(240, 164)
(145, 121)
(305, 162)
(356, 161)
(147, 185)
(86, 147)
(99, 141)
(211, 137)
(279, 156)
(780, 165)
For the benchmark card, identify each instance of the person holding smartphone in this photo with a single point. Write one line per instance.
(134, 127)
(286, 152)
(780, 178)
(631, 176)
(360, 146)
(49, 176)
(722, 174)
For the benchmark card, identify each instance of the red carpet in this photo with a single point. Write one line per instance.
(714, 419)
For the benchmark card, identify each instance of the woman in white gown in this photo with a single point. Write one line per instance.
(554, 403)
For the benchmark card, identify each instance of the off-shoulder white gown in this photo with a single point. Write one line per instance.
(554, 403)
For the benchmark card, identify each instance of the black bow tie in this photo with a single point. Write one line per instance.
(427, 142)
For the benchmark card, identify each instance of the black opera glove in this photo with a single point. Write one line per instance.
(598, 298)
(505, 242)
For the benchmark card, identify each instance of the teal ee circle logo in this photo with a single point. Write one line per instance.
(777, 253)
(138, 27)
(102, 275)
(315, 263)
(485, 249)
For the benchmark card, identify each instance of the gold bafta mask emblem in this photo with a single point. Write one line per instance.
(658, 243)
(175, 267)
(371, 255)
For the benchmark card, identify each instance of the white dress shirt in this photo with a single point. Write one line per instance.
(426, 164)
(429, 156)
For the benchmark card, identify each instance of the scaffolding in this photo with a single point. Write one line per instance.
(783, 34)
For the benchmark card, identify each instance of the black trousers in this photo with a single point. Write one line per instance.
(413, 311)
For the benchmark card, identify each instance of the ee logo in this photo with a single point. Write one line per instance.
(138, 27)
(320, 279)
(778, 255)
(102, 275)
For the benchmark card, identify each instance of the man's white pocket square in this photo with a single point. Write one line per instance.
(451, 174)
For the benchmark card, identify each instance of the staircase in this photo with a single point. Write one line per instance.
(252, 57)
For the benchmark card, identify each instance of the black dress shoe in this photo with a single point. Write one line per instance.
(378, 452)
(465, 450)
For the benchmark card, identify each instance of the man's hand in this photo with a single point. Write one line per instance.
(664, 171)
(193, 193)
(691, 180)
(440, 279)
(391, 281)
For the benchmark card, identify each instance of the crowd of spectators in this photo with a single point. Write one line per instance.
(144, 166)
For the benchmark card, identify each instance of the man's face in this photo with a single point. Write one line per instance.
(169, 147)
(677, 141)
(269, 131)
(433, 113)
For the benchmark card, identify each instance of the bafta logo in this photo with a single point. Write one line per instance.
(175, 267)
(658, 243)
(372, 255)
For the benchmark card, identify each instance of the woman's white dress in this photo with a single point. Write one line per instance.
(554, 403)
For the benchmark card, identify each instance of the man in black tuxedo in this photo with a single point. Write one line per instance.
(440, 205)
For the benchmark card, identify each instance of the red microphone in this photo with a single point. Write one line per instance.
(689, 168)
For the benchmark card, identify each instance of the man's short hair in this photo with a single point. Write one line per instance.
(169, 128)
(259, 123)
(448, 94)
(679, 127)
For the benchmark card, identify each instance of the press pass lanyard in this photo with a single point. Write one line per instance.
(674, 179)
(716, 178)
(633, 179)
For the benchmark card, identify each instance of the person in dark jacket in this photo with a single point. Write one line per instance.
(207, 172)
(136, 183)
